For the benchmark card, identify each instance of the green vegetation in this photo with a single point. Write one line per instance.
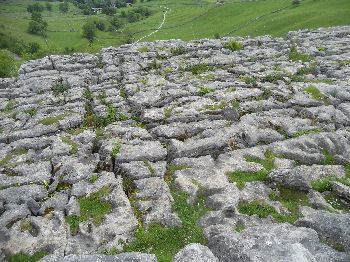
(8, 67)
(219, 106)
(233, 45)
(69, 142)
(143, 49)
(165, 242)
(242, 177)
(326, 81)
(308, 131)
(260, 208)
(167, 112)
(31, 112)
(250, 80)
(11, 155)
(52, 120)
(10, 104)
(239, 228)
(344, 63)
(91, 207)
(180, 50)
(291, 198)
(198, 68)
(204, 90)
(97, 121)
(115, 149)
(294, 55)
(172, 169)
(60, 88)
(272, 78)
(93, 178)
(147, 164)
(26, 258)
(316, 94)
(267, 163)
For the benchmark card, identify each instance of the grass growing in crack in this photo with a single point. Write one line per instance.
(91, 207)
(262, 209)
(60, 88)
(69, 142)
(291, 198)
(242, 177)
(239, 228)
(267, 163)
(336, 202)
(11, 155)
(115, 149)
(52, 120)
(167, 112)
(171, 170)
(272, 78)
(10, 104)
(329, 157)
(143, 49)
(294, 55)
(147, 164)
(316, 94)
(31, 112)
(344, 63)
(93, 178)
(213, 107)
(165, 242)
(233, 45)
(199, 68)
(308, 131)
(204, 90)
(180, 50)
(26, 258)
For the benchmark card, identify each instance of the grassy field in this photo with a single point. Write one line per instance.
(197, 19)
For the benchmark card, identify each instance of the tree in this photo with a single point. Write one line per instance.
(33, 48)
(89, 31)
(48, 6)
(37, 24)
(7, 64)
(108, 10)
(64, 7)
(35, 8)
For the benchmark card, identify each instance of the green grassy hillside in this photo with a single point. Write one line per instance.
(196, 19)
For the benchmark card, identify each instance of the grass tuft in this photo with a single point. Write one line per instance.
(52, 120)
(26, 258)
(294, 55)
(242, 177)
(69, 142)
(91, 207)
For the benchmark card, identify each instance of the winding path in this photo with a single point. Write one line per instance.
(160, 26)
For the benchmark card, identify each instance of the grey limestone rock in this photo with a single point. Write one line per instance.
(195, 252)
(281, 242)
(131, 126)
(331, 228)
(302, 176)
(341, 189)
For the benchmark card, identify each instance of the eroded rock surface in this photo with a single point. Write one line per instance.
(263, 128)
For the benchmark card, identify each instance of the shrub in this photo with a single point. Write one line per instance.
(233, 45)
